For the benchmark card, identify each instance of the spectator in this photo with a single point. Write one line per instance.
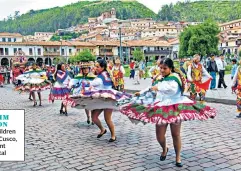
(221, 63)
(213, 69)
(234, 68)
(132, 69)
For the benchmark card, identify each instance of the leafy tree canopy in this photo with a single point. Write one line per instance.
(138, 55)
(218, 10)
(200, 39)
(83, 56)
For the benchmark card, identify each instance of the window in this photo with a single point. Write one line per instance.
(15, 50)
(62, 51)
(6, 51)
(9, 39)
(4, 39)
(30, 51)
(19, 49)
(226, 43)
(70, 51)
(39, 51)
(221, 44)
(1, 51)
(14, 39)
(236, 51)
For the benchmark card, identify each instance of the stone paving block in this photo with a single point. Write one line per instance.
(138, 169)
(195, 168)
(211, 168)
(236, 167)
(82, 167)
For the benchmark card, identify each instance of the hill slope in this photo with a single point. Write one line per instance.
(70, 15)
(220, 11)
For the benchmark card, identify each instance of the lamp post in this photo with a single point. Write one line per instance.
(120, 44)
(35, 53)
(105, 51)
(66, 48)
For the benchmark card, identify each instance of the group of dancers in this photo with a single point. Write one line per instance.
(161, 103)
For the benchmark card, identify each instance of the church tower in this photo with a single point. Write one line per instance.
(113, 13)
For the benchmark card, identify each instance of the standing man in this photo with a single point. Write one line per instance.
(213, 69)
(221, 70)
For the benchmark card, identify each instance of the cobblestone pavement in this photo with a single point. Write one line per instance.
(55, 142)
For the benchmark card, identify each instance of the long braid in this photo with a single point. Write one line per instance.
(182, 77)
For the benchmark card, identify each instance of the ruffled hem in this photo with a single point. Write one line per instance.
(58, 97)
(98, 94)
(33, 87)
(106, 94)
(59, 94)
(168, 114)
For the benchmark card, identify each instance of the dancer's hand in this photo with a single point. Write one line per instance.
(137, 94)
(154, 88)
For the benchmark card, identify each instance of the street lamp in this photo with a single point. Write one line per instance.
(105, 51)
(35, 53)
(120, 44)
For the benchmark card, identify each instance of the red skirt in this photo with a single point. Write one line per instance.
(1, 78)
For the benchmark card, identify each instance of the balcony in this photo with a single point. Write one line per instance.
(161, 52)
(106, 53)
(51, 53)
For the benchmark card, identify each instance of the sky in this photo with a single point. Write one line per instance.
(8, 7)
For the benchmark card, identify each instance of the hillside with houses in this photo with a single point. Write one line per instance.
(108, 36)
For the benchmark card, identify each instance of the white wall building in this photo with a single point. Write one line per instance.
(11, 37)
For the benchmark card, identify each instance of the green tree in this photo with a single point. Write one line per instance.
(138, 55)
(200, 39)
(84, 56)
(58, 60)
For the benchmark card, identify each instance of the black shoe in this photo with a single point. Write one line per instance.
(225, 87)
(239, 116)
(112, 140)
(61, 111)
(92, 123)
(179, 164)
(100, 135)
(40, 104)
(30, 99)
(35, 104)
(66, 114)
(88, 121)
(162, 158)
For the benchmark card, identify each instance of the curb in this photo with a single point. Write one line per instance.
(207, 99)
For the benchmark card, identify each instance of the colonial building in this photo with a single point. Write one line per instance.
(47, 52)
(11, 37)
(229, 47)
(159, 31)
(231, 24)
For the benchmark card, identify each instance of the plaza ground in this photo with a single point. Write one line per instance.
(55, 142)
